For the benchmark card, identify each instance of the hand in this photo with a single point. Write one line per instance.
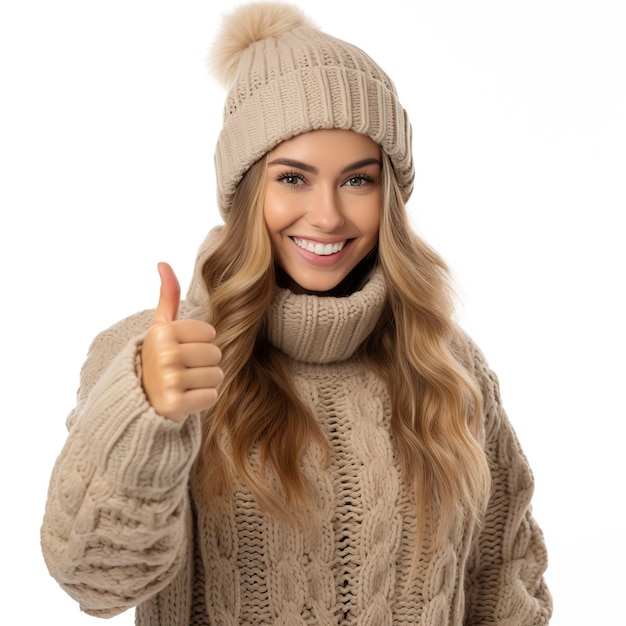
(179, 360)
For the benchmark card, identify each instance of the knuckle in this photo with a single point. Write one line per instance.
(170, 358)
(171, 380)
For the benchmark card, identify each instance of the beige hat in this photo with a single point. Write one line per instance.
(285, 77)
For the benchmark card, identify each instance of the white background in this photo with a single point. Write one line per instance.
(108, 122)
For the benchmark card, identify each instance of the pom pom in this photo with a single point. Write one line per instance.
(246, 25)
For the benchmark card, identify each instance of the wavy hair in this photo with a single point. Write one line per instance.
(436, 413)
(436, 405)
(257, 404)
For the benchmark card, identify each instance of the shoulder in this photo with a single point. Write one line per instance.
(474, 361)
(469, 355)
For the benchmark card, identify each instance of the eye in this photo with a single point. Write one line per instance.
(358, 181)
(291, 179)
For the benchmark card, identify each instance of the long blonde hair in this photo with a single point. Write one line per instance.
(436, 406)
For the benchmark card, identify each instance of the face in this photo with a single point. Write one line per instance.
(322, 206)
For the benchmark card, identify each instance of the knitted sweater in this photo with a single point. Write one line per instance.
(121, 529)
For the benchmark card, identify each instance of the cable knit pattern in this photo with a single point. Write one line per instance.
(121, 529)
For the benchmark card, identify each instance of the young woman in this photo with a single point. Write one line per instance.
(307, 438)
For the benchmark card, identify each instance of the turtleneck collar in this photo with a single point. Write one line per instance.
(324, 329)
(312, 329)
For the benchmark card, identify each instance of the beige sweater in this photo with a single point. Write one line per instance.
(120, 528)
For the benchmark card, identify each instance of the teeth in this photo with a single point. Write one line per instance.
(320, 248)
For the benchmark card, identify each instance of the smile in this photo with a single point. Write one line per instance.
(321, 249)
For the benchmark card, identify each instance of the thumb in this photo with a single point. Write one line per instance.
(169, 296)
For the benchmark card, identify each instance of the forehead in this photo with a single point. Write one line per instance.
(334, 144)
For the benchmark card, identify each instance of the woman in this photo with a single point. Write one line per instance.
(308, 438)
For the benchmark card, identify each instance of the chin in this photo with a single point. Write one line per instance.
(338, 286)
(314, 287)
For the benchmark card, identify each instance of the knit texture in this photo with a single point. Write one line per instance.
(288, 78)
(121, 529)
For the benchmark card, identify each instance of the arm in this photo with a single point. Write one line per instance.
(508, 558)
(115, 526)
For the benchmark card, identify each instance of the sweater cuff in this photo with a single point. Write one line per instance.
(132, 445)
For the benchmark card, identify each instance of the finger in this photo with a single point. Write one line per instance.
(200, 355)
(169, 296)
(193, 331)
(201, 378)
(196, 400)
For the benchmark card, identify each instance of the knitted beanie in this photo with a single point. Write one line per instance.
(285, 77)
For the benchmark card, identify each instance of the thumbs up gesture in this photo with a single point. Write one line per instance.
(180, 362)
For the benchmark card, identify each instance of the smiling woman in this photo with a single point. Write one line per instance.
(322, 207)
(308, 437)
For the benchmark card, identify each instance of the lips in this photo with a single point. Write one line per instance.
(319, 248)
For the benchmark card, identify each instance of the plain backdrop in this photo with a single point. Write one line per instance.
(108, 121)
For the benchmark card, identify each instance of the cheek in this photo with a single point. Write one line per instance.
(277, 211)
(375, 222)
(369, 220)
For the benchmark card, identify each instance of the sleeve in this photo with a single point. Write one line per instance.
(508, 558)
(116, 524)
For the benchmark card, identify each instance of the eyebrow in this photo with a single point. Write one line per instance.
(313, 170)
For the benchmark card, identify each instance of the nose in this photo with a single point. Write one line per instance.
(325, 212)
